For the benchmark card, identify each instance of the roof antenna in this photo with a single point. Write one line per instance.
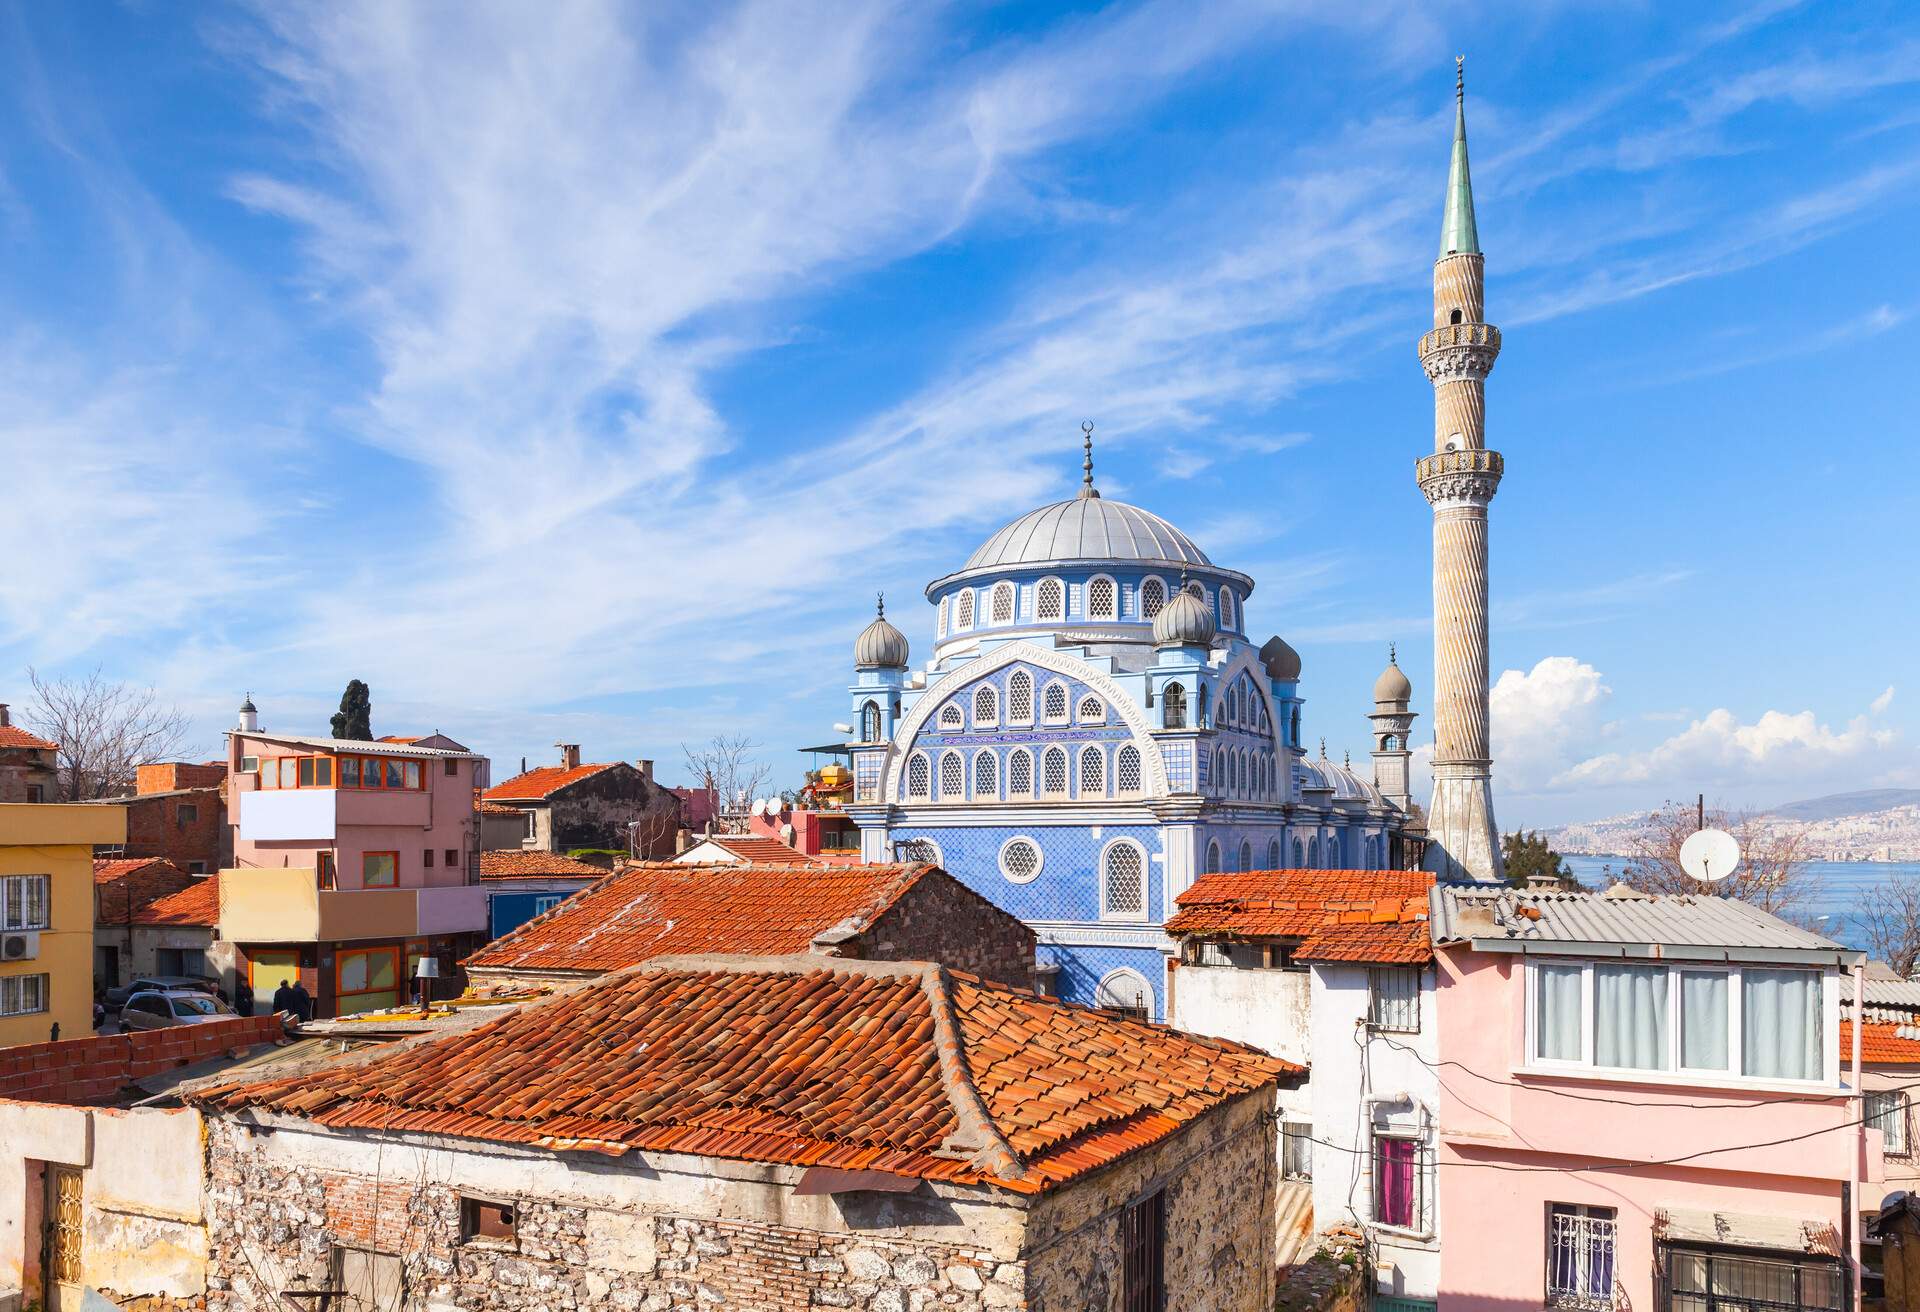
(1086, 466)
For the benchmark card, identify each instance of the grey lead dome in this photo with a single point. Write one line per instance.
(1086, 528)
(880, 644)
(1184, 621)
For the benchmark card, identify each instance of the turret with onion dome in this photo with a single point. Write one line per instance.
(1184, 622)
(1392, 688)
(880, 646)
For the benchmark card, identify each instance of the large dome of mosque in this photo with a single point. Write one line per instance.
(1086, 528)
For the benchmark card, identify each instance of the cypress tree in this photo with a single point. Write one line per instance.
(354, 719)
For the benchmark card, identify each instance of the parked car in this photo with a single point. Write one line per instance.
(157, 1009)
(118, 995)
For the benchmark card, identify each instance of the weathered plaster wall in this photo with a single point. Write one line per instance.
(1265, 1008)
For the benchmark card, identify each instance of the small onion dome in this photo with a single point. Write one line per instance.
(880, 644)
(1185, 621)
(1392, 685)
(1281, 660)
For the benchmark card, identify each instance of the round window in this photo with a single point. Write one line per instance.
(1020, 860)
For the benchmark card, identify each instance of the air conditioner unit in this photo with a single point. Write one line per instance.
(19, 947)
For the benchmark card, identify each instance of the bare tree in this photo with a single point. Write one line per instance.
(1889, 922)
(725, 769)
(1773, 872)
(105, 730)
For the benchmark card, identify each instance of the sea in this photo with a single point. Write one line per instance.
(1841, 888)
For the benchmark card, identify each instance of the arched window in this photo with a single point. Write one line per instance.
(870, 723)
(963, 610)
(1213, 858)
(986, 776)
(1020, 773)
(1153, 595)
(1092, 710)
(1226, 608)
(1173, 706)
(919, 776)
(1273, 854)
(1054, 706)
(1389, 744)
(1240, 772)
(1050, 600)
(1197, 588)
(952, 717)
(1102, 598)
(986, 706)
(1125, 992)
(1053, 772)
(1246, 857)
(953, 778)
(943, 617)
(1003, 603)
(1020, 698)
(1299, 856)
(1126, 770)
(1313, 853)
(1093, 772)
(1123, 882)
(1454, 317)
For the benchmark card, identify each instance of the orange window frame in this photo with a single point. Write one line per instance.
(393, 962)
(366, 882)
(306, 772)
(372, 773)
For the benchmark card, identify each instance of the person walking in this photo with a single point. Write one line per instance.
(302, 1002)
(283, 1000)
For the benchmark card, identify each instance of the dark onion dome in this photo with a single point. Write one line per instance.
(880, 644)
(1392, 685)
(247, 707)
(1185, 621)
(1281, 660)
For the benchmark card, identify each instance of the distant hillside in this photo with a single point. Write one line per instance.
(1874, 824)
(1862, 803)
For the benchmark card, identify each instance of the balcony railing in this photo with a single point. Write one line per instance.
(1580, 1262)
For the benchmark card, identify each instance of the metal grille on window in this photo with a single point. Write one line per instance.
(1580, 1256)
(1226, 609)
(65, 1226)
(1153, 595)
(1127, 769)
(1197, 590)
(1714, 1281)
(952, 717)
(1052, 600)
(1056, 702)
(1887, 1113)
(1143, 1237)
(1003, 603)
(986, 775)
(1054, 771)
(1019, 860)
(1173, 706)
(870, 723)
(1093, 768)
(1092, 709)
(1100, 599)
(1400, 1170)
(24, 901)
(1126, 885)
(986, 706)
(917, 849)
(1020, 698)
(1020, 774)
(918, 777)
(1296, 1150)
(953, 776)
(1393, 998)
(963, 612)
(942, 621)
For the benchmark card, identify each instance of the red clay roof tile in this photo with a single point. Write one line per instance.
(535, 785)
(1881, 1044)
(760, 850)
(196, 904)
(536, 865)
(12, 735)
(124, 886)
(1338, 915)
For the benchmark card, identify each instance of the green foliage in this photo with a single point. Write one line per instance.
(584, 853)
(354, 719)
(1529, 858)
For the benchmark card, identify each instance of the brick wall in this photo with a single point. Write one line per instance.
(94, 1070)
(165, 776)
(941, 919)
(156, 826)
(22, 768)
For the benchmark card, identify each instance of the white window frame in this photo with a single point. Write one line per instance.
(1139, 770)
(1424, 1179)
(1066, 695)
(1040, 862)
(967, 606)
(1374, 993)
(1040, 613)
(1226, 604)
(1674, 1072)
(1296, 1140)
(906, 778)
(1111, 582)
(546, 902)
(952, 716)
(941, 622)
(1080, 709)
(1080, 767)
(1009, 715)
(1586, 1217)
(14, 900)
(1033, 782)
(1066, 775)
(993, 694)
(973, 768)
(13, 994)
(1004, 588)
(1146, 885)
(940, 778)
(1884, 1105)
(1105, 988)
(1140, 604)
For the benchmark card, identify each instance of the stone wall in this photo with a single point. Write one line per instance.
(941, 919)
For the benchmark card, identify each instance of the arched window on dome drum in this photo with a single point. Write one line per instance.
(1093, 772)
(1053, 772)
(1126, 770)
(1313, 853)
(1123, 882)
(943, 617)
(1273, 854)
(963, 610)
(1153, 596)
(1226, 608)
(1246, 856)
(1020, 698)
(1092, 710)
(1055, 707)
(986, 707)
(1020, 773)
(919, 777)
(952, 717)
(953, 778)
(1213, 859)
(1101, 598)
(1173, 707)
(1003, 603)
(1050, 600)
(986, 776)
(1197, 588)
(870, 723)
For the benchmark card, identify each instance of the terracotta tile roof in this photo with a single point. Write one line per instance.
(536, 865)
(543, 782)
(12, 735)
(484, 807)
(196, 904)
(651, 909)
(760, 850)
(806, 1061)
(1338, 915)
(124, 886)
(1881, 1044)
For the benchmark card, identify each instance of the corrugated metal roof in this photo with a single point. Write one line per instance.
(1491, 914)
(1901, 993)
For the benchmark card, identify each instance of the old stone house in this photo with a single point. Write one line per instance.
(29, 764)
(761, 1134)
(610, 806)
(904, 912)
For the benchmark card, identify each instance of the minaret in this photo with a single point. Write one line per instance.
(1393, 719)
(1459, 481)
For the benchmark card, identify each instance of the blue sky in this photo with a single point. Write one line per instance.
(580, 371)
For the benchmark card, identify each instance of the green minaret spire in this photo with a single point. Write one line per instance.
(1458, 236)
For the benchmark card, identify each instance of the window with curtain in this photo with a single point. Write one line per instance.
(1887, 1113)
(1557, 1012)
(1780, 1024)
(1396, 1182)
(1703, 1020)
(1296, 1150)
(1630, 1017)
(1580, 1247)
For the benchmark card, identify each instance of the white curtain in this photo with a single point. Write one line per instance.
(1556, 1012)
(1781, 1023)
(1703, 1020)
(1630, 1016)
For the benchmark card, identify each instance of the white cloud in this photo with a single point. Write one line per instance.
(1542, 718)
(1883, 701)
(1720, 750)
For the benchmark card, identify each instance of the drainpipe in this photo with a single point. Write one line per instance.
(1860, 1128)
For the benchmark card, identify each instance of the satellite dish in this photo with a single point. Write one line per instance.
(1709, 855)
(759, 806)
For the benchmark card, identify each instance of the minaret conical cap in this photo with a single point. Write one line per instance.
(1458, 235)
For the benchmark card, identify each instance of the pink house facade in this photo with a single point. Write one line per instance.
(351, 862)
(1642, 1106)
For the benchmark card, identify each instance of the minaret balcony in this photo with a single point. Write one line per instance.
(1453, 476)
(1458, 351)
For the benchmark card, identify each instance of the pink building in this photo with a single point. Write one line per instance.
(1642, 1106)
(351, 861)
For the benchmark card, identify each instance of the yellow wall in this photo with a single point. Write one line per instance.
(57, 840)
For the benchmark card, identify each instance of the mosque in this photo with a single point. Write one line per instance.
(1096, 728)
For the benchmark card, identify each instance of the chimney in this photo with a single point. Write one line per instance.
(569, 755)
(646, 766)
(5, 718)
